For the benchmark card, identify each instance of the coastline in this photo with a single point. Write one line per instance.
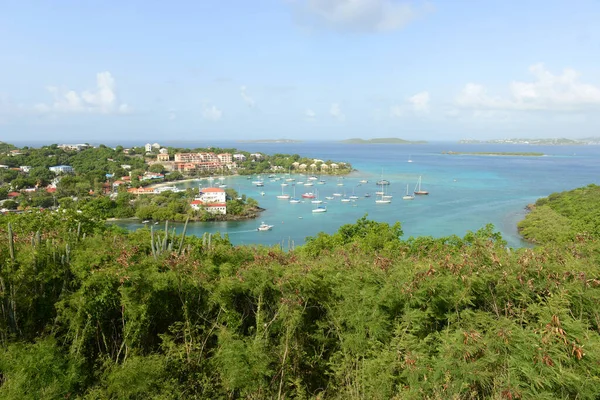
(171, 183)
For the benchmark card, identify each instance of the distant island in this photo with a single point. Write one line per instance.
(382, 141)
(270, 141)
(546, 141)
(495, 153)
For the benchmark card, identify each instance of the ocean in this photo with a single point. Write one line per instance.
(466, 192)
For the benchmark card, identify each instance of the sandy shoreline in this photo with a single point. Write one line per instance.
(172, 183)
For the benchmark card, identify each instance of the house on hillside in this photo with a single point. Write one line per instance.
(62, 169)
(213, 200)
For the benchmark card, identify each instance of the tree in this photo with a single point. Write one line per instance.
(43, 176)
(157, 168)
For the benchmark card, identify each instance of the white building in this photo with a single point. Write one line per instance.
(74, 147)
(62, 169)
(212, 200)
(212, 195)
(148, 147)
(239, 157)
(25, 168)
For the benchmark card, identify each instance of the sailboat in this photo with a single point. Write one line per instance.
(408, 196)
(382, 181)
(409, 159)
(283, 196)
(294, 200)
(418, 190)
(316, 200)
(381, 198)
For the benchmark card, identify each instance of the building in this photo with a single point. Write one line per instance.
(62, 169)
(212, 195)
(73, 147)
(196, 157)
(239, 157)
(148, 147)
(256, 156)
(142, 190)
(213, 200)
(225, 158)
(148, 176)
(186, 162)
(213, 208)
(162, 157)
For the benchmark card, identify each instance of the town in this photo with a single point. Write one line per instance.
(116, 182)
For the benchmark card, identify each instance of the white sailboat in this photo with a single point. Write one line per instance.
(409, 159)
(283, 196)
(381, 199)
(408, 196)
(294, 200)
(316, 200)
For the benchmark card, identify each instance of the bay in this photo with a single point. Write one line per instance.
(466, 191)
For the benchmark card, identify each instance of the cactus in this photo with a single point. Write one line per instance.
(164, 242)
(11, 243)
(152, 241)
(183, 236)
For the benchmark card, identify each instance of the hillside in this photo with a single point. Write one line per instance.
(91, 311)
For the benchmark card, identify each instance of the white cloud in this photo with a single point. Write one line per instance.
(336, 112)
(420, 102)
(102, 100)
(360, 15)
(310, 114)
(211, 113)
(247, 99)
(547, 91)
(417, 103)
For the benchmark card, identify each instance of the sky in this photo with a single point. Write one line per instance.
(93, 71)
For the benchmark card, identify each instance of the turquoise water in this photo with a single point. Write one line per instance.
(466, 192)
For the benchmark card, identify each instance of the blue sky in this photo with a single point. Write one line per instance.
(302, 69)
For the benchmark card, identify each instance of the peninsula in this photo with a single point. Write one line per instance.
(382, 141)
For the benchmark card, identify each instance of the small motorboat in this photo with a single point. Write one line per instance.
(264, 227)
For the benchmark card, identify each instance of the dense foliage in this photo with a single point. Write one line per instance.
(94, 312)
(564, 216)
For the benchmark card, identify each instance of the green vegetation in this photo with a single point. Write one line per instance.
(91, 311)
(496, 153)
(382, 141)
(564, 217)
